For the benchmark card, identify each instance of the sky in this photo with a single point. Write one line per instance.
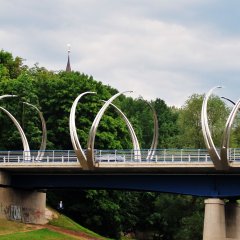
(167, 49)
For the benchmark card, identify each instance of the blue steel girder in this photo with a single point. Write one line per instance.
(206, 185)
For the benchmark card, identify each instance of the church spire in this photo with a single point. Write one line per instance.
(68, 67)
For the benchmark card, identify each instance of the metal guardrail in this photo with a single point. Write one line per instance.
(160, 155)
(234, 154)
(114, 156)
(49, 156)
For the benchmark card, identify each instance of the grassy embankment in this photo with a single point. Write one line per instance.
(66, 229)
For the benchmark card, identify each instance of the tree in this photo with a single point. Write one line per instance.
(170, 216)
(25, 92)
(10, 66)
(190, 121)
(168, 129)
(141, 116)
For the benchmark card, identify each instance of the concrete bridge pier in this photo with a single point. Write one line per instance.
(232, 215)
(221, 221)
(21, 205)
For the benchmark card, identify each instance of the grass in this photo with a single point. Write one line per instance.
(10, 230)
(67, 223)
(40, 234)
(11, 227)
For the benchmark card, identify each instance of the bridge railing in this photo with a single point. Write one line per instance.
(234, 154)
(160, 155)
(49, 156)
(115, 156)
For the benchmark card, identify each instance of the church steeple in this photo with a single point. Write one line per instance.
(68, 67)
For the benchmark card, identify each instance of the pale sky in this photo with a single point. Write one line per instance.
(168, 49)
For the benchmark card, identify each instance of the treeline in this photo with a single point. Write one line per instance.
(53, 93)
(108, 212)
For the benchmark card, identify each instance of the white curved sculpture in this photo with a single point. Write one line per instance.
(154, 144)
(155, 133)
(7, 95)
(73, 132)
(44, 133)
(227, 132)
(136, 147)
(220, 161)
(206, 131)
(26, 148)
(93, 130)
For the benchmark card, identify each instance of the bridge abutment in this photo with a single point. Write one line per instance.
(221, 221)
(22, 205)
(26, 206)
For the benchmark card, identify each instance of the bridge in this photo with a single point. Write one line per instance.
(182, 171)
(172, 160)
(168, 170)
(212, 172)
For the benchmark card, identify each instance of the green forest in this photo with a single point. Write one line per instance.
(110, 213)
